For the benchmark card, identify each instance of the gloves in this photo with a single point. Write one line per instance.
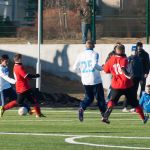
(37, 75)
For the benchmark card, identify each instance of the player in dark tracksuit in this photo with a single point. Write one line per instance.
(135, 69)
(144, 56)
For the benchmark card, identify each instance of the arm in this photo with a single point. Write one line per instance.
(32, 76)
(7, 78)
(76, 65)
(96, 65)
(126, 73)
(106, 67)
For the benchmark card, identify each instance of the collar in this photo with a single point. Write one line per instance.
(89, 49)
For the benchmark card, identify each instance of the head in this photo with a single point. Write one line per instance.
(18, 58)
(147, 89)
(139, 46)
(134, 50)
(118, 43)
(120, 49)
(90, 44)
(4, 60)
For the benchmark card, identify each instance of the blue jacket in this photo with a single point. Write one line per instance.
(145, 102)
(135, 66)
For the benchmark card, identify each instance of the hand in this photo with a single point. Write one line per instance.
(37, 75)
(145, 75)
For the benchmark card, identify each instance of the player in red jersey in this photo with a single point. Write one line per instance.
(22, 86)
(121, 83)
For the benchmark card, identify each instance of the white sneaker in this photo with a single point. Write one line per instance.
(125, 110)
(132, 110)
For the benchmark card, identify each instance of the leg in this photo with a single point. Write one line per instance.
(11, 94)
(142, 83)
(32, 100)
(99, 94)
(84, 32)
(89, 97)
(131, 96)
(116, 93)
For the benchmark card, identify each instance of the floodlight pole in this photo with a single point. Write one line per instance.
(147, 21)
(93, 22)
(38, 65)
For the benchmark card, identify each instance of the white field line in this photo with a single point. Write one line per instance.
(72, 138)
(72, 141)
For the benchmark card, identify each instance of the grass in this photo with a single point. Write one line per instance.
(50, 132)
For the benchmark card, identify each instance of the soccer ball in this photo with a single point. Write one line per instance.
(22, 111)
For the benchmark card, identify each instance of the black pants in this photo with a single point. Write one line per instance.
(27, 95)
(136, 82)
(91, 91)
(142, 84)
(129, 94)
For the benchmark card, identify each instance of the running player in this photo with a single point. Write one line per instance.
(87, 63)
(121, 83)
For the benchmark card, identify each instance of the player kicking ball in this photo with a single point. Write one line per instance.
(121, 84)
(22, 86)
(87, 65)
(6, 90)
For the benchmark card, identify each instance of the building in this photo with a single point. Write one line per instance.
(18, 11)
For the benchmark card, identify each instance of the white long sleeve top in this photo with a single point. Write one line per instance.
(5, 80)
(87, 64)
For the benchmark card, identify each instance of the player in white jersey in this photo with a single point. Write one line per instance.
(87, 65)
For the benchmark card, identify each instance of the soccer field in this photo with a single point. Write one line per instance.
(61, 130)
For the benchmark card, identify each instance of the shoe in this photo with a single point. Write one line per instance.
(132, 110)
(105, 120)
(125, 110)
(81, 114)
(40, 115)
(146, 119)
(2, 111)
(32, 111)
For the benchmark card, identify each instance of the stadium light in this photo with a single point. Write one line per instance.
(38, 65)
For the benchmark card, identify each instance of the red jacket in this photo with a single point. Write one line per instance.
(113, 66)
(20, 74)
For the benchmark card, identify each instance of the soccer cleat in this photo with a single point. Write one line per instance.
(146, 119)
(105, 120)
(125, 110)
(40, 115)
(132, 110)
(81, 111)
(32, 111)
(2, 111)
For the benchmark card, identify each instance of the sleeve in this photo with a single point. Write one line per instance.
(7, 78)
(76, 66)
(141, 101)
(96, 64)
(147, 64)
(107, 66)
(22, 72)
(124, 63)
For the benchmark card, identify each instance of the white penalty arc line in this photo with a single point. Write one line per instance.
(72, 141)
(72, 138)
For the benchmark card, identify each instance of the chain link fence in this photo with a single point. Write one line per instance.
(114, 18)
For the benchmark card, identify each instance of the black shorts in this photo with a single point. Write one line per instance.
(27, 95)
(129, 94)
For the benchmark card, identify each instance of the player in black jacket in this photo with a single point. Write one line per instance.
(144, 56)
